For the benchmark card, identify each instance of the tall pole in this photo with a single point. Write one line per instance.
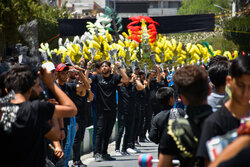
(233, 9)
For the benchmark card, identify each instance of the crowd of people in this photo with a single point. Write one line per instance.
(45, 110)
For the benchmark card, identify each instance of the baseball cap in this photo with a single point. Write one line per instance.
(62, 67)
(49, 66)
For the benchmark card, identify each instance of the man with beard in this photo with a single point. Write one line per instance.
(81, 103)
(72, 90)
(24, 143)
(106, 107)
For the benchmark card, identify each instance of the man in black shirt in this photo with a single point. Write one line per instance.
(73, 90)
(23, 145)
(180, 138)
(81, 119)
(154, 84)
(237, 107)
(126, 113)
(106, 107)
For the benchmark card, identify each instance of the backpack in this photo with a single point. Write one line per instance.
(181, 132)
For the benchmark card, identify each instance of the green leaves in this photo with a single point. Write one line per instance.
(237, 29)
(108, 11)
(115, 20)
(202, 6)
(14, 13)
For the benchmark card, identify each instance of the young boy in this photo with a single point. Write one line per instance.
(217, 73)
(165, 96)
(25, 143)
(180, 138)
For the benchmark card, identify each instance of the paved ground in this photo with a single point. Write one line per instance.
(122, 161)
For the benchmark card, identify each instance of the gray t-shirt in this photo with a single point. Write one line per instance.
(213, 100)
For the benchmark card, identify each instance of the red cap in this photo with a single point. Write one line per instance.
(62, 67)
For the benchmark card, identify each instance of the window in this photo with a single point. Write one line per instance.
(174, 4)
(155, 4)
(165, 4)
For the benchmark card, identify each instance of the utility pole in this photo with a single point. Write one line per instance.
(233, 8)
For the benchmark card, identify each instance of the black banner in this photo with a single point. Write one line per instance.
(168, 24)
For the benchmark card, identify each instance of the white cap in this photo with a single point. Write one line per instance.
(49, 66)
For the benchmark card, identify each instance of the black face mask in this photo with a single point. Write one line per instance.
(153, 79)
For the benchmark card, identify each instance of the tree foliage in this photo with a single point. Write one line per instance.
(237, 27)
(202, 6)
(47, 22)
(14, 13)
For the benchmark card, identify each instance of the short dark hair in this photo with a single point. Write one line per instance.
(97, 65)
(129, 74)
(106, 62)
(2, 86)
(192, 82)
(19, 78)
(217, 58)
(218, 73)
(141, 72)
(240, 66)
(163, 95)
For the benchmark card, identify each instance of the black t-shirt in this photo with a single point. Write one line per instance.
(153, 87)
(70, 90)
(196, 116)
(139, 96)
(81, 104)
(241, 159)
(218, 123)
(164, 82)
(106, 91)
(155, 104)
(24, 146)
(126, 97)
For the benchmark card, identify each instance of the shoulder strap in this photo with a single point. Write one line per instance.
(174, 113)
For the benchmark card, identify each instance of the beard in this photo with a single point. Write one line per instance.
(105, 72)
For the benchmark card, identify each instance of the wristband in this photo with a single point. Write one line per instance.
(62, 129)
(88, 68)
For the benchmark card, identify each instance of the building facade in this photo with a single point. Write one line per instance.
(83, 8)
(128, 8)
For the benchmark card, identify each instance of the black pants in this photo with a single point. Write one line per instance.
(131, 127)
(144, 109)
(123, 124)
(105, 124)
(138, 121)
(147, 120)
(82, 124)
